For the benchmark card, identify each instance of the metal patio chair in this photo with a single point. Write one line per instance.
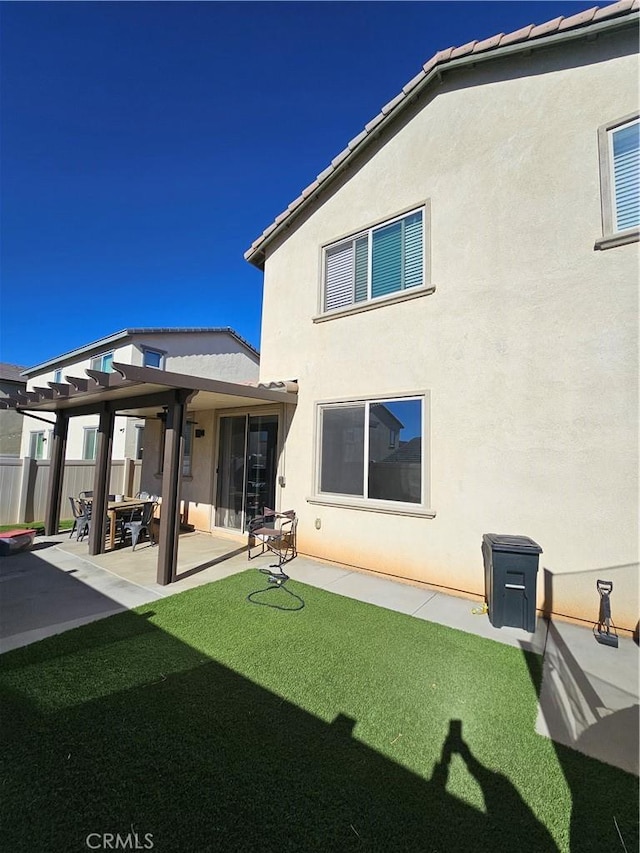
(274, 532)
(77, 513)
(136, 526)
(83, 521)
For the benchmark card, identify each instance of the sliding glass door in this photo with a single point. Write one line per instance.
(247, 465)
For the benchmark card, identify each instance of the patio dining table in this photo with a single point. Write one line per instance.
(119, 508)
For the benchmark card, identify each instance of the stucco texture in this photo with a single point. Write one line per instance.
(528, 346)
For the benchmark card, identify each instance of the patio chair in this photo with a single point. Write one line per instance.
(274, 532)
(83, 522)
(135, 526)
(85, 494)
(76, 511)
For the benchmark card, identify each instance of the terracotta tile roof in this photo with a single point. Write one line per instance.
(529, 33)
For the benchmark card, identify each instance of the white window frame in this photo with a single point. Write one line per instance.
(155, 351)
(85, 432)
(97, 362)
(396, 296)
(611, 237)
(139, 441)
(34, 450)
(391, 507)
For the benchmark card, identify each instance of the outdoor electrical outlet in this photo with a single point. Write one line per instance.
(318, 524)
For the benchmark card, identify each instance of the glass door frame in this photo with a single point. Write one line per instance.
(276, 409)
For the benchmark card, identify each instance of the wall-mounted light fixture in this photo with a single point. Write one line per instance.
(199, 433)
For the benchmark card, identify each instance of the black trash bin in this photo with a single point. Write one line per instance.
(510, 579)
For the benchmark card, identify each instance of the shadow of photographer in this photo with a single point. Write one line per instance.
(506, 813)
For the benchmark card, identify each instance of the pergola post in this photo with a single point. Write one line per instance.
(101, 480)
(171, 482)
(56, 473)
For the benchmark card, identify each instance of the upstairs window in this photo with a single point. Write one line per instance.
(619, 144)
(152, 358)
(57, 376)
(103, 362)
(375, 263)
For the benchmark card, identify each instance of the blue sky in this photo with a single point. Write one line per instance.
(146, 145)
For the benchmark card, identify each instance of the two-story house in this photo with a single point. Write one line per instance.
(210, 352)
(468, 266)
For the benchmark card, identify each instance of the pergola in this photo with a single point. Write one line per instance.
(136, 391)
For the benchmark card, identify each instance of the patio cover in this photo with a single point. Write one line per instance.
(136, 391)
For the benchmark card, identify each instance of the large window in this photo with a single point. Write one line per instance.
(619, 144)
(375, 263)
(103, 362)
(373, 450)
(89, 443)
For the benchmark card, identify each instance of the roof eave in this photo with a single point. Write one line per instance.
(256, 255)
(100, 344)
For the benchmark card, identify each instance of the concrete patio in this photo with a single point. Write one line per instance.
(589, 696)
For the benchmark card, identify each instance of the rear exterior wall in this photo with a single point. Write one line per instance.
(528, 346)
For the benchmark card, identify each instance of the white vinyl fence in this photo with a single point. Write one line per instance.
(24, 482)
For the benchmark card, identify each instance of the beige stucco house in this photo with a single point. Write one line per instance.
(231, 439)
(468, 266)
(218, 353)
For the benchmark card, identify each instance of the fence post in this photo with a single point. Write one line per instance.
(128, 473)
(26, 483)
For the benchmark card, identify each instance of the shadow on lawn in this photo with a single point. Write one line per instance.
(171, 743)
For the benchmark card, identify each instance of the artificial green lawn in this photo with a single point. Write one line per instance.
(215, 724)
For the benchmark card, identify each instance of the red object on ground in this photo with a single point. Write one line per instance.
(7, 534)
(14, 541)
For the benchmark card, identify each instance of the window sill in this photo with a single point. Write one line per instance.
(613, 240)
(373, 506)
(359, 307)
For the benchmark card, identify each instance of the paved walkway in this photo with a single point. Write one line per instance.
(589, 697)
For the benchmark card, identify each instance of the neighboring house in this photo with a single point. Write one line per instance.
(215, 353)
(10, 421)
(468, 266)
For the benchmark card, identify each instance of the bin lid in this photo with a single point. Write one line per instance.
(512, 544)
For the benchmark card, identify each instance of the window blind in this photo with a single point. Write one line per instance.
(386, 261)
(626, 176)
(339, 276)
